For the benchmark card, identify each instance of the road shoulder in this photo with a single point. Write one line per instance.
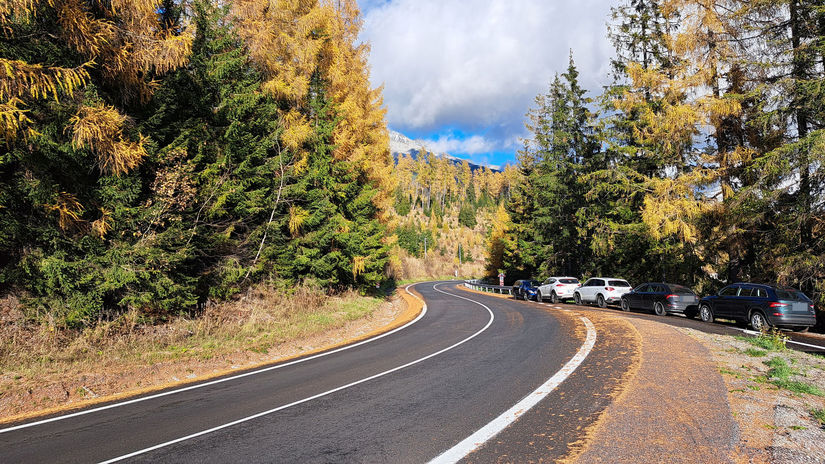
(673, 409)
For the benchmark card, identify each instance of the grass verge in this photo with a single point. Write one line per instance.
(41, 368)
(770, 341)
(780, 374)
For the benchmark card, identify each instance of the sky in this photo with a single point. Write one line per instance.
(461, 74)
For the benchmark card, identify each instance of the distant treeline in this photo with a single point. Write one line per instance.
(703, 162)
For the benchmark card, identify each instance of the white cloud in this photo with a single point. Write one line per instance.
(476, 65)
(472, 145)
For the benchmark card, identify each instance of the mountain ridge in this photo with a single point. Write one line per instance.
(400, 144)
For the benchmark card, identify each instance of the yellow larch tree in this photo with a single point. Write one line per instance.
(123, 42)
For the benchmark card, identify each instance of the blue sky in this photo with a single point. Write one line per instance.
(461, 74)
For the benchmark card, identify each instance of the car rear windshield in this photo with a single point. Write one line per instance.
(791, 294)
(680, 290)
(569, 281)
(618, 283)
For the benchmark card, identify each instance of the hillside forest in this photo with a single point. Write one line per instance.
(156, 156)
(702, 163)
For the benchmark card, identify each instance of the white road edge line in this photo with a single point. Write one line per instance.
(225, 379)
(484, 434)
(343, 387)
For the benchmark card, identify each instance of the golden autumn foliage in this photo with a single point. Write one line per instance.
(122, 40)
(100, 128)
(68, 210)
(295, 41)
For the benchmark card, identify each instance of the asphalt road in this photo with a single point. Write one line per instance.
(406, 397)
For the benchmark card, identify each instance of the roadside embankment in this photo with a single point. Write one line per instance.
(44, 372)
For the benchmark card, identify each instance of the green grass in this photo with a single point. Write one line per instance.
(770, 341)
(819, 415)
(780, 373)
(724, 370)
(756, 353)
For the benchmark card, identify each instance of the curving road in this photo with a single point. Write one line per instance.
(404, 397)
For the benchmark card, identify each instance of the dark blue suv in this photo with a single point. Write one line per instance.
(526, 289)
(763, 306)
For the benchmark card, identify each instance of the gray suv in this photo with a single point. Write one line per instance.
(762, 306)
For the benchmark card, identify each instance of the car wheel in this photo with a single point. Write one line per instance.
(758, 321)
(705, 313)
(554, 298)
(539, 297)
(659, 309)
(578, 299)
(625, 305)
(600, 301)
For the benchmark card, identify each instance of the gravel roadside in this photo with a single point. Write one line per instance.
(777, 397)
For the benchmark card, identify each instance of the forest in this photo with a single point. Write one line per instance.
(702, 163)
(156, 156)
(160, 154)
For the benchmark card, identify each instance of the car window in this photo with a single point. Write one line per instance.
(569, 281)
(748, 291)
(729, 291)
(760, 293)
(680, 290)
(549, 281)
(641, 288)
(791, 294)
(657, 288)
(618, 283)
(598, 283)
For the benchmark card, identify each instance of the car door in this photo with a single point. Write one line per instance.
(584, 290)
(636, 297)
(593, 290)
(547, 287)
(727, 301)
(743, 302)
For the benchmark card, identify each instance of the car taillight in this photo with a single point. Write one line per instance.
(671, 296)
(609, 289)
(559, 285)
(778, 305)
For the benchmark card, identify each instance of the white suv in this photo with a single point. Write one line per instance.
(602, 291)
(557, 289)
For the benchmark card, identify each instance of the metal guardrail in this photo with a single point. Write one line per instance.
(482, 287)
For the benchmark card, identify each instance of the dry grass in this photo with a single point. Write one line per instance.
(126, 353)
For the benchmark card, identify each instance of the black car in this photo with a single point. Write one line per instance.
(762, 306)
(661, 298)
(525, 289)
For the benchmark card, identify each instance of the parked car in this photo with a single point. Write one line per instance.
(525, 289)
(602, 291)
(762, 306)
(661, 298)
(558, 288)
